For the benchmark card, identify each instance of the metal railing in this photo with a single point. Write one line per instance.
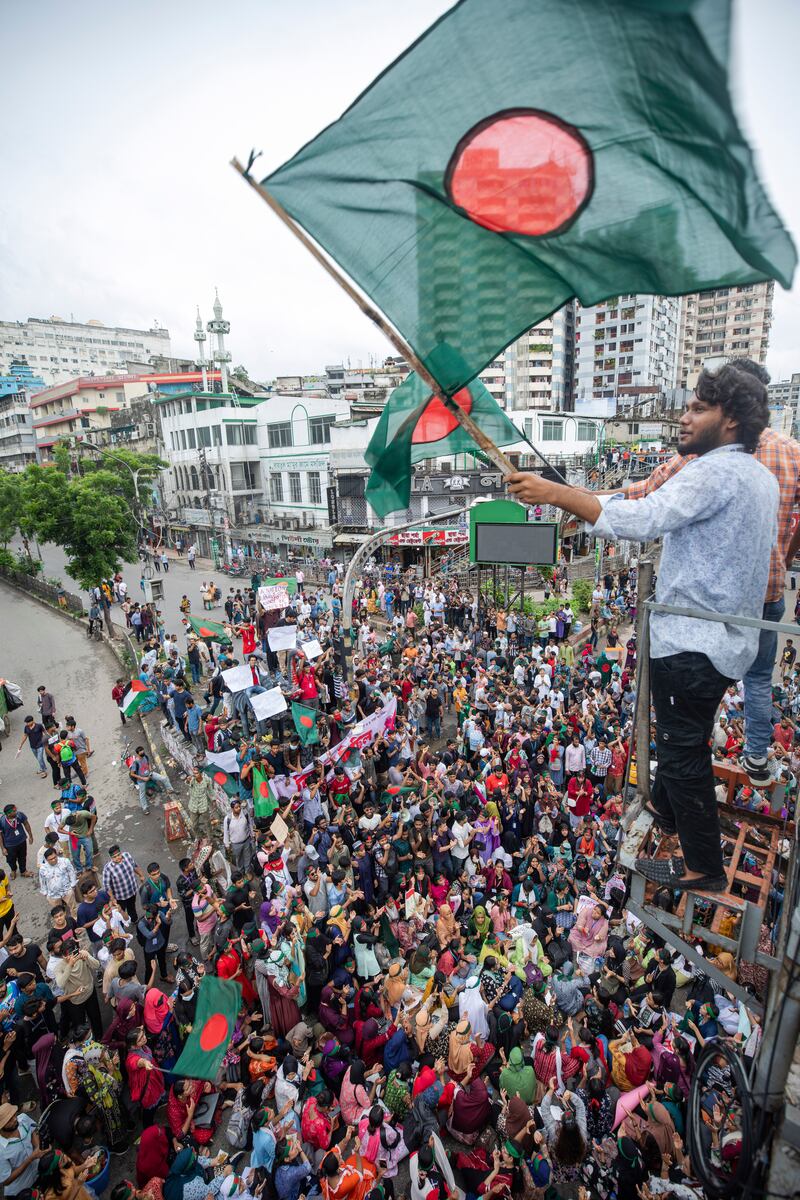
(45, 591)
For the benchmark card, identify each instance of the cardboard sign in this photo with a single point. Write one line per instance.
(272, 597)
(282, 637)
(238, 678)
(311, 649)
(279, 829)
(268, 704)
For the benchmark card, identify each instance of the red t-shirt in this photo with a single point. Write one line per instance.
(308, 686)
(248, 633)
(783, 736)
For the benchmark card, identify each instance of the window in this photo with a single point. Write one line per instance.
(216, 435)
(320, 430)
(240, 435)
(192, 439)
(551, 431)
(295, 488)
(586, 431)
(243, 476)
(204, 436)
(182, 435)
(280, 435)
(276, 488)
(314, 488)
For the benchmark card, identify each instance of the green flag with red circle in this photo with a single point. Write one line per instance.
(415, 425)
(209, 631)
(305, 722)
(264, 803)
(229, 783)
(218, 1004)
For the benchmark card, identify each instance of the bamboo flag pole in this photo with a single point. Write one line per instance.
(464, 419)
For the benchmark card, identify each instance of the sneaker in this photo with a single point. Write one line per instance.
(757, 770)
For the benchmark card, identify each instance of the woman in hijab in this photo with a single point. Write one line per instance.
(659, 1124)
(430, 1034)
(369, 1041)
(186, 1180)
(382, 1145)
(333, 1063)
(517, 1079)
(355, 1098)
(282, 994)
(395, 985)
(519, 1124)
(49, 1057)
(480, 926)
(471, 1109)
(446, 929)
(630, 1063)
(464, 1052)
(673, 1103)
(421, 968)
(127, 1016)
(629, 1169)
(162, 1029)
(472, 1006)
(152, 1156)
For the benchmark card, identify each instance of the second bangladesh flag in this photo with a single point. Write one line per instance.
(218, 1004)
(415, 425)
(264, 803)
(209, 631)
(305, 722)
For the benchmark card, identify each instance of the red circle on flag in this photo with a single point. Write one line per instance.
(213, 1032)
(437, 421)
(220, 777)
(307, 722)
(263, 788)
(521, 171)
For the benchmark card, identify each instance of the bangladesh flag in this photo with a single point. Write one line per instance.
(209, 631)
(604, 666)
(415, 425)
(228, 783)
(264, 803)
(137, 695)
(305, 722)
(522, 152)
(218, 1004)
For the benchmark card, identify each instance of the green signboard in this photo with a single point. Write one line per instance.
(500, 533)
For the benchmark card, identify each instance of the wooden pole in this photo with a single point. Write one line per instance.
(464, 419)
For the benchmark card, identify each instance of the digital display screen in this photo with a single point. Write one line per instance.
(521, 545)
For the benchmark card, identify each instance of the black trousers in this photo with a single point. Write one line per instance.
(687, 690)
(89, 1011)
(68, 768)
(17, 856)
(129, 904)
(160, 957)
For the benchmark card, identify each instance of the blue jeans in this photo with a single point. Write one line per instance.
(84, 844)
(758, 686)
(38, 754)
(195, 669)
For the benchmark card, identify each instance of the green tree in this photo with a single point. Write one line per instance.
(240, 373)
(148, 467)
(10, 503)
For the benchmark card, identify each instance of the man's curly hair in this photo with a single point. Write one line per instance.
(741, 395)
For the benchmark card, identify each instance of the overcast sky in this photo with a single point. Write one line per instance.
(119, 120)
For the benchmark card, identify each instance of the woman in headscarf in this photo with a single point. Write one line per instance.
(518, 1123)
(152, 1156)
(382, 1145)
(230, 965)
(355, 1097)
(466, 1050)
(471, 1109)
(599, 1109)
(369, 1041)
(480, 926)
(630, 1062)
(127, 1016)
(394, 985)
(282, 994)
(346, 1179)
(421, 968)
(184, 1096)
(430, 1034)
(589, 935)
(517, 1079)
(90, 1069)
(673, 1103)
(659, 1125)
(473, 1007)
(364, 943)
(186, 1180)
(49, 1056)
(446, 928)
(334, 1014)
(629, 1169)
(333, 1063)
(162, 1029)
(145, 1080)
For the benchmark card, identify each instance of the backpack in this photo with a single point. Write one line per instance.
(66, 752)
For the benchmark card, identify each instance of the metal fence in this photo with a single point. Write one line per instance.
(45, 591)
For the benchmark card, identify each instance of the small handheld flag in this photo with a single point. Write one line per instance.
(138, 695)
(305, 722)
(264, 803)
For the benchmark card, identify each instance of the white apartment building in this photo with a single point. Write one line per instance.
(628, 342)
(58, 350)
(724, 323)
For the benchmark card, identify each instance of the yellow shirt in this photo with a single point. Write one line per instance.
(6, 902)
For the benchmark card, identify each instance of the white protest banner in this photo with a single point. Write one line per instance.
(279, 829)
(363, 734)
(311, 649)
(268, 704)
(275, 596)
(226, 761)
(238, 678)
(282, 637)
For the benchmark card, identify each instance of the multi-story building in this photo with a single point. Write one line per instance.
(626, 343)
(85, 407)
(732, 322)
(538, 368)
(59, 350)
(17, 441)
(785, 394)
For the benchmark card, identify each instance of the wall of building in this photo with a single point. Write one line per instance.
(627, 341)
(725, 322)
(58, 350)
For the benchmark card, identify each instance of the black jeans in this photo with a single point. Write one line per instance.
(78, 1014)
(160, 957)
(687, 690)
(17, 856)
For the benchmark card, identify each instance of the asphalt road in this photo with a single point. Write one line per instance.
(42, 647)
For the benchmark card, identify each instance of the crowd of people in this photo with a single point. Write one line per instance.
(443, 991)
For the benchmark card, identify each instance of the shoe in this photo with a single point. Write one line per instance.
(146, 812)
(663, 871)
(756, 770)
(27, 874)
(706, 883)
(663, 823)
